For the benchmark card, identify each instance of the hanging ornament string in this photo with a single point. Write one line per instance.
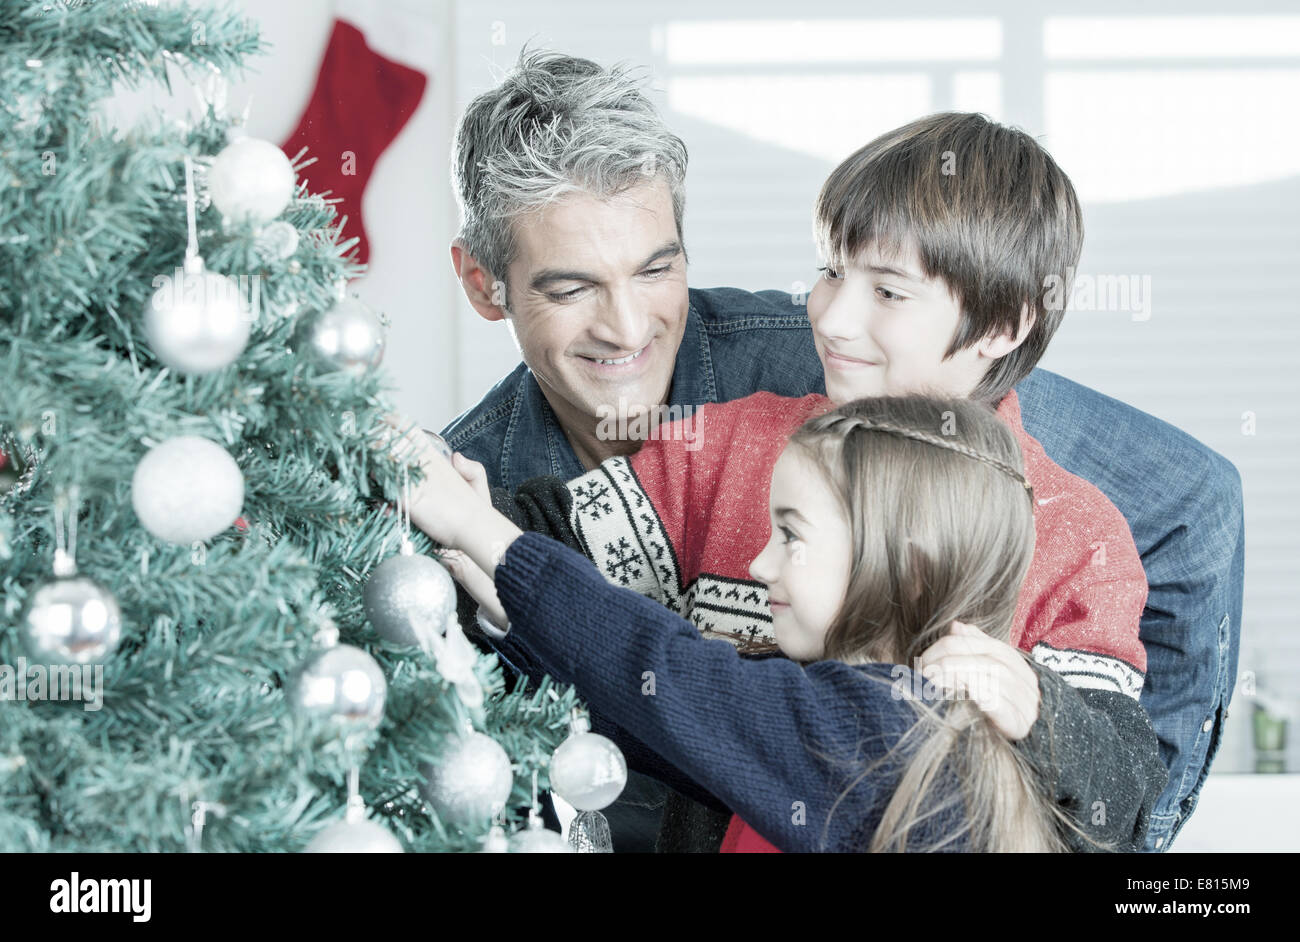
(69, 619)
(198, 814)
(194, 834)
(408, 547)
(192, 261)
(197, 821)
(355, 834)
(536, 838)
(65, 551)
(200, 325)
(356, 808)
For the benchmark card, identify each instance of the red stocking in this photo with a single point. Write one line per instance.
(360, 103)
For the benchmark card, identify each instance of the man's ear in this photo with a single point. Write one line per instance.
(1000, 345)
(486, 294)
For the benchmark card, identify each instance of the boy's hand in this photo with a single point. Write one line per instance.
(478, 584)
(992, 673)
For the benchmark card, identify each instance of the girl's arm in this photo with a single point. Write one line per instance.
(777, 743)
(639, 756)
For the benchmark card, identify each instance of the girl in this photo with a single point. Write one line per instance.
(883, 533)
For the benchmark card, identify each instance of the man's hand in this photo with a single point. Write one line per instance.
(990, 672)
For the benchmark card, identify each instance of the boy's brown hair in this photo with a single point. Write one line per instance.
(988, 211)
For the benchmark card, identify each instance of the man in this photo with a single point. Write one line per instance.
(572, 194)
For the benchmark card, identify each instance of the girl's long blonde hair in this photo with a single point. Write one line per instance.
(942, 525)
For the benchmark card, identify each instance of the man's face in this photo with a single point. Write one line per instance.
(594, 281)
(881, 329)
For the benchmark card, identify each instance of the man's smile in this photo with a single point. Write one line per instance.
(622, 365)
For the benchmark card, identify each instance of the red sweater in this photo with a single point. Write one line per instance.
(681, 520)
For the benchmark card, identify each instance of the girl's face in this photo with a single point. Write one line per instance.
(806, 561)
(881, 329)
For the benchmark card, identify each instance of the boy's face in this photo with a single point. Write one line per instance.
(881, 329)
(805, 563)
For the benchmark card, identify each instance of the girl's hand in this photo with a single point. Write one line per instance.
(451, 510)
(465, 571)
(992, 673)
(474, 475)
(443, 505)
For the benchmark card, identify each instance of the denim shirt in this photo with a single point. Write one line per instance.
(1182, 501)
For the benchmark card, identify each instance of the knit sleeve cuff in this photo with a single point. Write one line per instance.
(1042, 744)
(489, 629)
(524, 562)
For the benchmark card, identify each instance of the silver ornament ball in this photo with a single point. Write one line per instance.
(588, 771)
(188, 488)
(197, 321)
(354, 837)
(71, 620)
(348, 335)
(536, 839)
(472, 781)
(341, 684)
(251, 180)
(407, 597)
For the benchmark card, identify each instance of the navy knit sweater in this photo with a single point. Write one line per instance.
(775, 742)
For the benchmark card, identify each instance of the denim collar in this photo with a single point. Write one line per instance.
(535, 443)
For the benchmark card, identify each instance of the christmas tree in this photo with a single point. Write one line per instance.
(198, 499)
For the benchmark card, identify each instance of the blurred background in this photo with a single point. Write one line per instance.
(1177, 127)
